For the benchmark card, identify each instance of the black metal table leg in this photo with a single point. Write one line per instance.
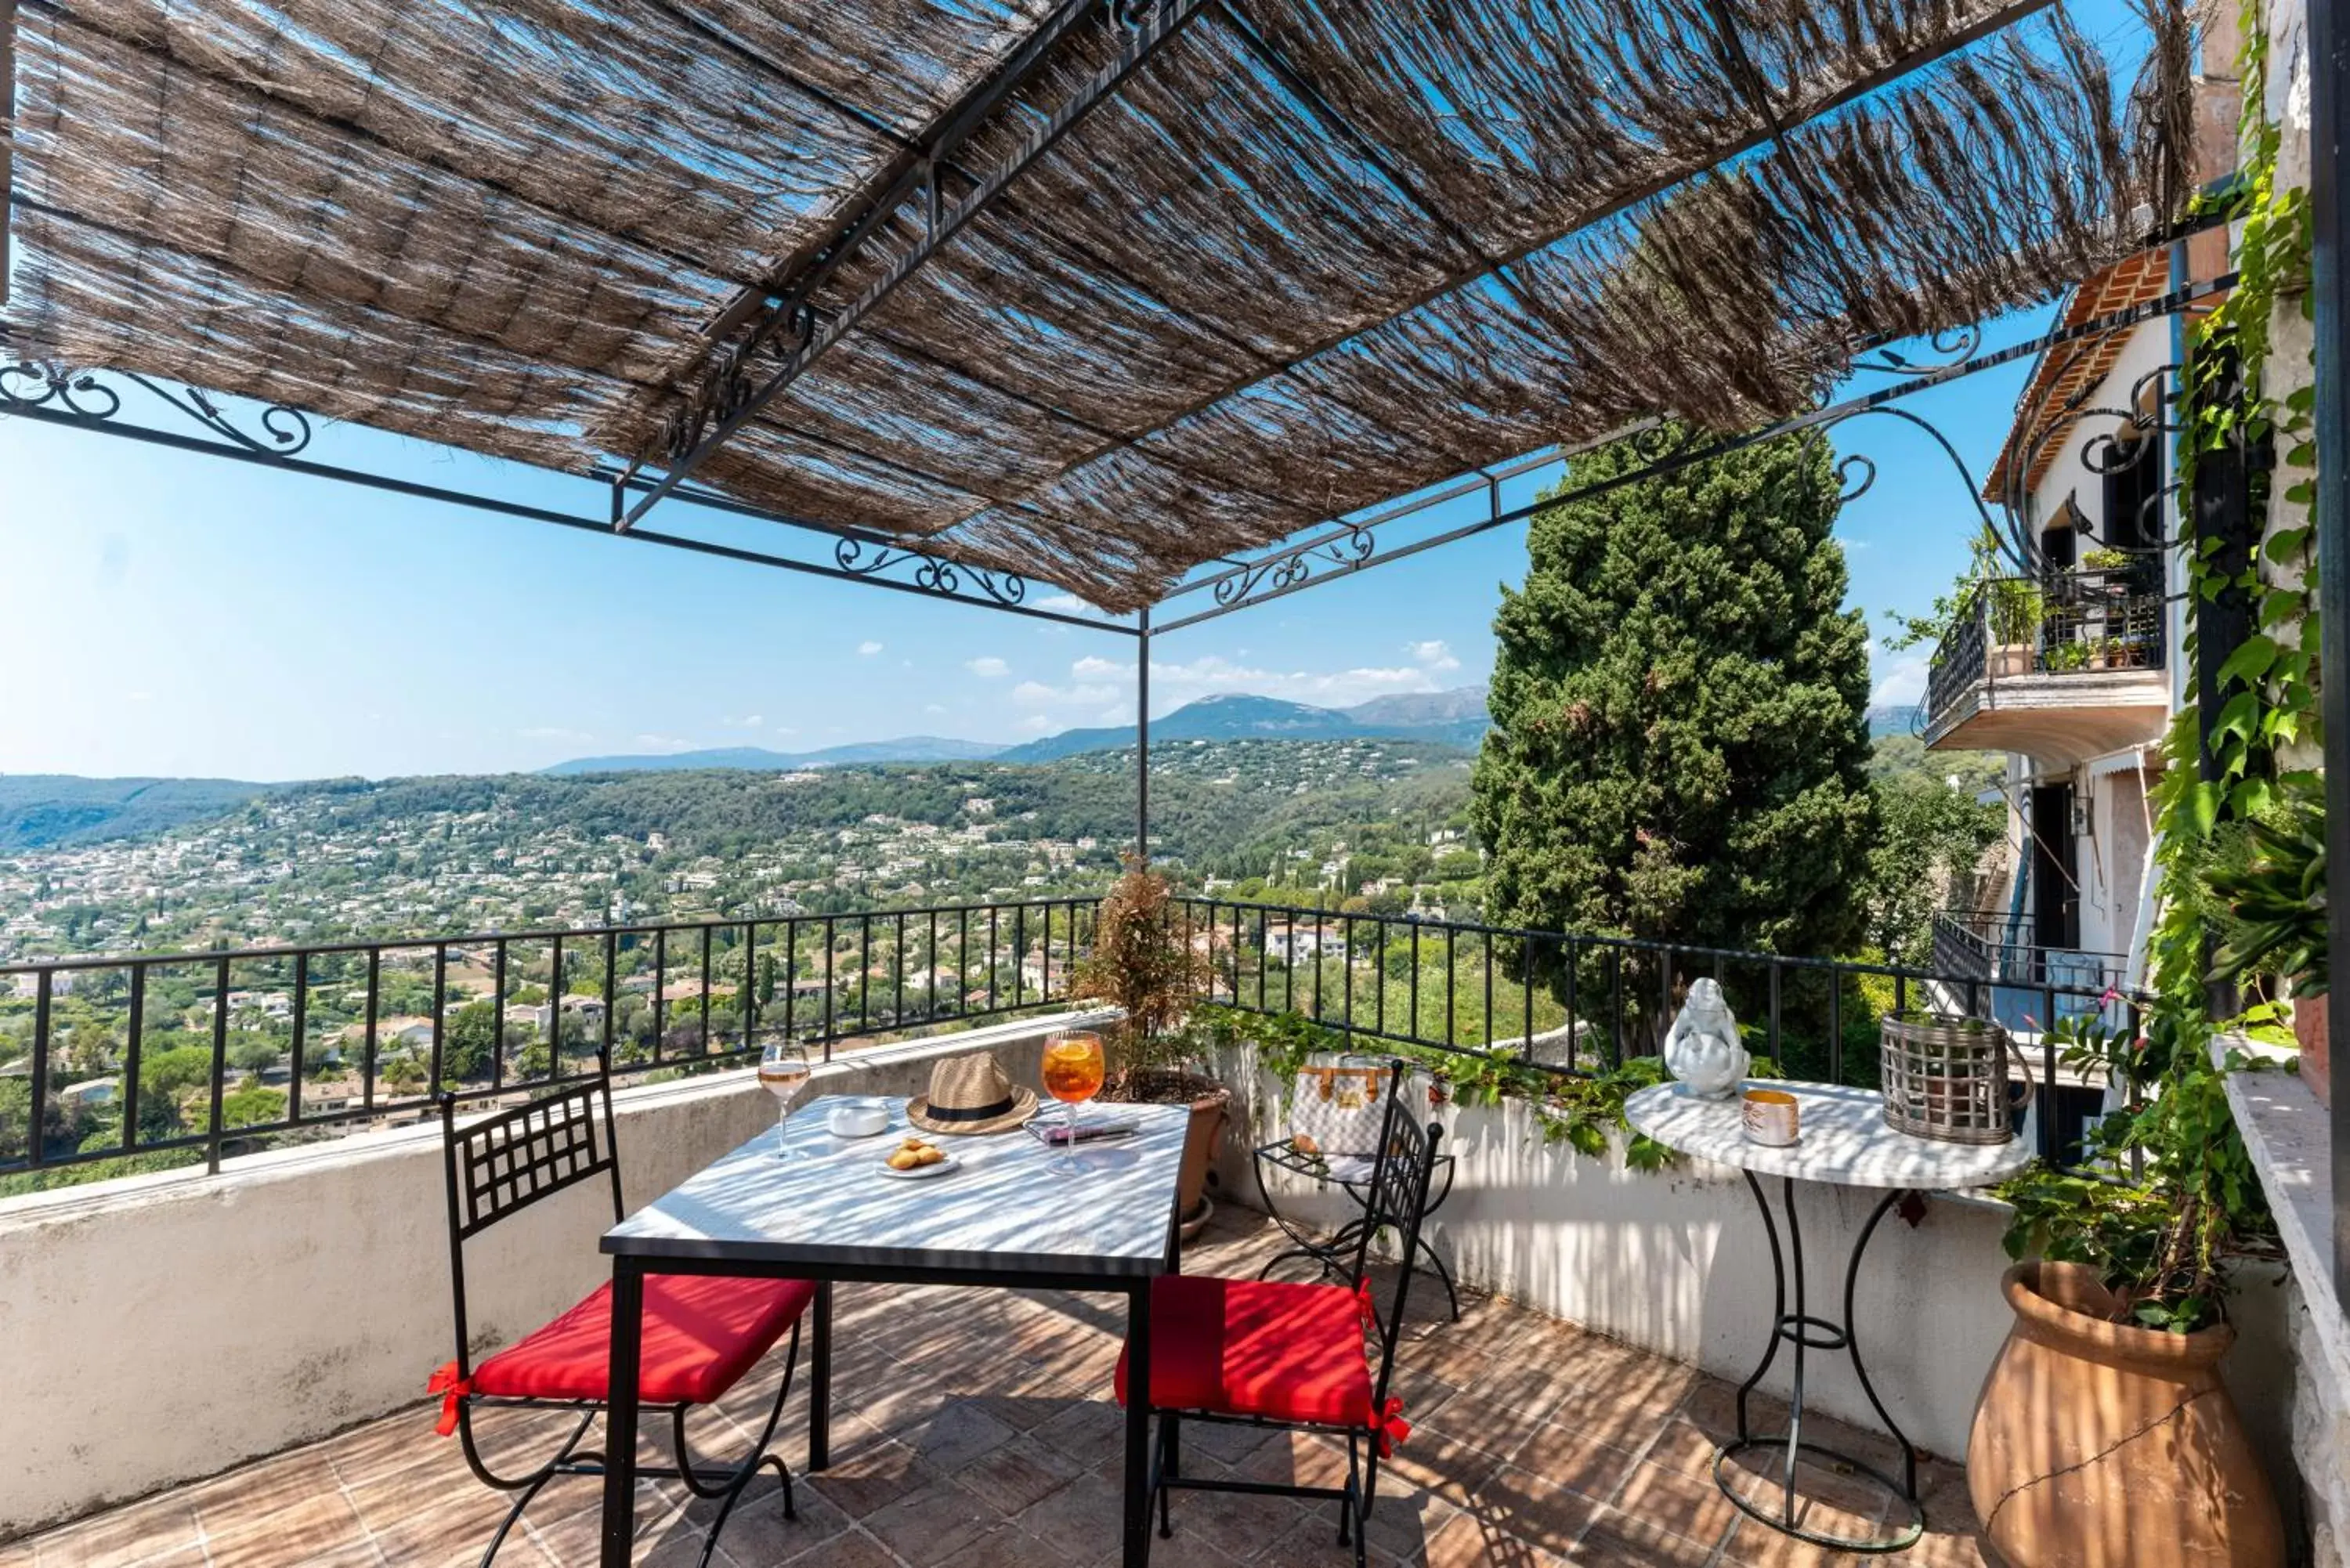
(820, 1382)
(1806, 1333)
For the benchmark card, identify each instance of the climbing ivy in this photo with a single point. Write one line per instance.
(2194, 1194)
(1579, 1110)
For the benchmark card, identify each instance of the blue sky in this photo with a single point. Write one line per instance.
(167, 614)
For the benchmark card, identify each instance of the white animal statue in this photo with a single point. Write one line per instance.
(1702, 1050)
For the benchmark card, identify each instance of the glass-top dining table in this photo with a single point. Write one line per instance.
(825, 1208)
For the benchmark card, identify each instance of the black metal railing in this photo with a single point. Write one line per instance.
(2001, 944)
(168, 1058)
(183, 1058)
(1578, 1004)
(2061, 623)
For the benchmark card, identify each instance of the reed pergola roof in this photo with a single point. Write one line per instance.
(1094, 291)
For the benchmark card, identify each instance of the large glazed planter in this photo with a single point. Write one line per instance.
(2104, 1445)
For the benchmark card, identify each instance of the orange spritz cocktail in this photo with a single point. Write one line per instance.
(1074, 1066)
(1073, 1069)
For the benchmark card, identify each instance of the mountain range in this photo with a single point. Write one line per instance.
(38, 810)
(1455, 717)
(906, 749)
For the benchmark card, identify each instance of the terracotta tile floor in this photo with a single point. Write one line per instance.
(975, 1430)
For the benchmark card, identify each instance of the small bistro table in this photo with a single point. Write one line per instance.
(1003, 1218)
(1843, 1142)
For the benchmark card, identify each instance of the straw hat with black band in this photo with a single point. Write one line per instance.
(969, 1095)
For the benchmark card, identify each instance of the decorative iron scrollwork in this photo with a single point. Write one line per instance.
(1950, 348)
(33, 385)
(932, 574)
(1287, 571)
(93, 395)
(1855, 472)
(2135, 438)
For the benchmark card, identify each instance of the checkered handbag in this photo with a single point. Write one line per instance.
(1336, 1104)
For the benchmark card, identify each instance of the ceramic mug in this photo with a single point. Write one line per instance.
(1772, 1118)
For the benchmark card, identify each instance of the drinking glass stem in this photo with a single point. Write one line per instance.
(783, 1121)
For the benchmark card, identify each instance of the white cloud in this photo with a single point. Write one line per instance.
(867, 649)
(664, 743)
(1067, 604)
(1901, 683)
(553, 732)
(1175, 684)
(1434, 655)
(989, 667)
(1038, 724)
(139, 696)
(933, 709)
(748, 721)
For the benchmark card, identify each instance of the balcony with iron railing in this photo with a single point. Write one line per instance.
(2003, 945)
(2061, 667)
(252, 1110)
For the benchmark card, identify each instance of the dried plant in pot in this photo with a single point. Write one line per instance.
(1143, 962)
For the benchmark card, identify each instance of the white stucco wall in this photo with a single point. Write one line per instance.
(161, 1328)
(1677, 1262)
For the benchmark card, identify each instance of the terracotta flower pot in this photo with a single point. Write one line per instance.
(1209, 1101)
(2009, 659)
(2309, 1016)
(2104, 1445)
(1207, 1130)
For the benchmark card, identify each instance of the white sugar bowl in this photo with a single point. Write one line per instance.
(858, 1118)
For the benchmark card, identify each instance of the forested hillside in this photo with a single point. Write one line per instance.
(443, 854)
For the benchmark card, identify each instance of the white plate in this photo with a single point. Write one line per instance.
(921, 1172)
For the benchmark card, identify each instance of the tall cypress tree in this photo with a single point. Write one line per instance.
(1680, 743)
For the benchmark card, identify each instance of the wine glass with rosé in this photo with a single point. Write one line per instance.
(1073, 1069)
(784, 1067)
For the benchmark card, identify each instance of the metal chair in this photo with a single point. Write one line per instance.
(1269, 1353)
(701, 1334)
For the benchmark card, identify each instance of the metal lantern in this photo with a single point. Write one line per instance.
(1946, 1077)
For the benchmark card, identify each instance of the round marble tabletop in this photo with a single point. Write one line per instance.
(1843, 1140)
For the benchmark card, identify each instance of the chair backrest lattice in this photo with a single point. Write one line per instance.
(503, 1164)
(1394, 1200)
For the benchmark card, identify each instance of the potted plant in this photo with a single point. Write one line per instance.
(2271, 874)
(2013, 609)
(2103, 1434)
(2066, 657)
(1143, 963)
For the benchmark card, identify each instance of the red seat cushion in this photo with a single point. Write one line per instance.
(1257, 1347)
(701, 1334)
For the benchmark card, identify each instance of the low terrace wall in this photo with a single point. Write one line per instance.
(161, 1328)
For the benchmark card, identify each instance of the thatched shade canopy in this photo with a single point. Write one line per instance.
(1299, 256)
